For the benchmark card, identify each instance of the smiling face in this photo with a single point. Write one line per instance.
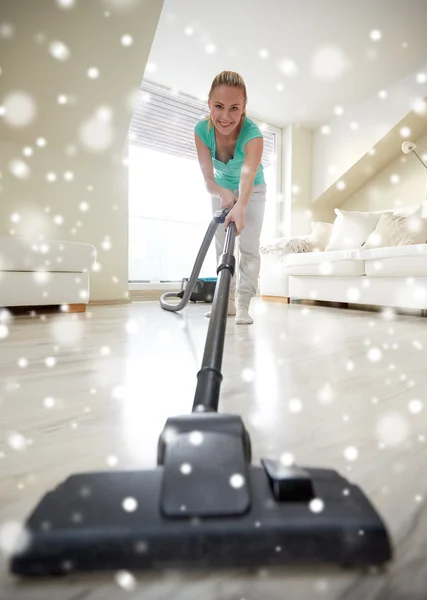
(227, 105)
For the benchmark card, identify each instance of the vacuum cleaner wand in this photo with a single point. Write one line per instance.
(209, 377)
(204, 505)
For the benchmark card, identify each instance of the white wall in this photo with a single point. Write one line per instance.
(296, 169)
(384, 191)
(81, 139)
(336, 152)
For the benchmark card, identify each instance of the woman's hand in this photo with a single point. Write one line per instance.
(237, 216)
(228, 199)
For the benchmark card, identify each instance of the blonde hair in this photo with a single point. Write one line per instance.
(231, 79)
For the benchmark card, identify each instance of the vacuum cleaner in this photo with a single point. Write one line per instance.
(204, 505)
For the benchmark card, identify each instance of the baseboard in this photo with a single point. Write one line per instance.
(110, 302)
(283, 299)
(147, 295)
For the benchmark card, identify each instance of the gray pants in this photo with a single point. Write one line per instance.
(247, 255)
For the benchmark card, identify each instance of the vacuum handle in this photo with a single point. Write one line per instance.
(209, 377)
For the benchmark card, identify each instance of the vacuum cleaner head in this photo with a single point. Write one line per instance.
(203, 506)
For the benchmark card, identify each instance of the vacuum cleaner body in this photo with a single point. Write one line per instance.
(204, 505)
(204, 289)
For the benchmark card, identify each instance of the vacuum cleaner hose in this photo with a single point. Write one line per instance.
(195, 272)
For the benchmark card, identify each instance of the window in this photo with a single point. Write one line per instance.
(169, 207)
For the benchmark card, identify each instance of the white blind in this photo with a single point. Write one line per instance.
(165, 122)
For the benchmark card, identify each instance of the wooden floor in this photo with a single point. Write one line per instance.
(92, 391)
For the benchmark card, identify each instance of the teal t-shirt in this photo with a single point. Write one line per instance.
(227, 175)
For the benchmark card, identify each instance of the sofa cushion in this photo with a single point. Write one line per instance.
(396, 261)
(339, 262)
(315, 258)
(394, 251)
(399, 266)
(23, 254)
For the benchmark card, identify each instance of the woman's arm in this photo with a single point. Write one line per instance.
(205, 161)
(253, 156)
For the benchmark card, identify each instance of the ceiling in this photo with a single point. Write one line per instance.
(300, 58)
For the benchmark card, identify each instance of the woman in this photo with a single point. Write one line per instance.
(229, 147)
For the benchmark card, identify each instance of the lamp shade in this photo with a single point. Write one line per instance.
(407, 147)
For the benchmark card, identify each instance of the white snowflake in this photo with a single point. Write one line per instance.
(126, 580)
(130, 504)
(321, 586)
(93, 73)
(326, 394)
(196, 438)
(186, 468)
(351, 453)
(325, 129)
(126, 40)
(329, 63)
(67, 331)
(17, 441)
(19, 169)
(14, 538)
(287, 66)
(49, 402)
(415, 406)
(20, 109)
(248, 375)
(392, 429)
(7, 30)
(106, 243)
(112, 461)
(375, 35)
(353, 294)
(50, 361)
(316, 505)
(151, 67)
(210, 48)
(374, 354)
(66, 4)
(295, 405)
(59, 50)
(132, 326)
(237, 481)
(287, 459)
(4, 331)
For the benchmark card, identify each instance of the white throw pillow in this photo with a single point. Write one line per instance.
(412, 210)
(351, 229)
(395, 230)
(320, 235)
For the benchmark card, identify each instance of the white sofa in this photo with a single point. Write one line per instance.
(45, 273)
(387, 276)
